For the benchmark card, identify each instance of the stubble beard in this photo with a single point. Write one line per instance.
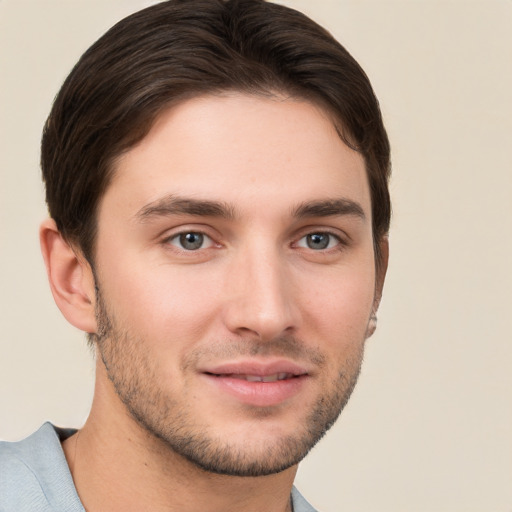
(162, 416)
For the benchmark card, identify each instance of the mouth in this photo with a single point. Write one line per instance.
(256, 378)
(257, 384)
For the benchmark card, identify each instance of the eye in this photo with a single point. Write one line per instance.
(191, 241)
(319, 241)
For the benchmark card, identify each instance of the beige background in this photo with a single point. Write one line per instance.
(429, 427)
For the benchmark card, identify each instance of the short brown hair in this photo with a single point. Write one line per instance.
(184, 48)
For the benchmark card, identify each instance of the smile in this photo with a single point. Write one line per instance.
(258, 378)
(259, 384)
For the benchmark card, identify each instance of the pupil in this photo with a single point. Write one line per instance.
(191, 241)
(318, 241)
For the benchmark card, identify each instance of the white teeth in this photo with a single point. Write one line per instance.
(265, 378)
(252, 378)
(261, 378)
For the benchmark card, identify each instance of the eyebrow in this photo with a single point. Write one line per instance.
(329, 208)
(174, 205)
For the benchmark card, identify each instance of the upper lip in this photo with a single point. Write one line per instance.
(260, 368)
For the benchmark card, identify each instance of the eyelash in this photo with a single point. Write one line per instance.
(179, 238)
(340, 243)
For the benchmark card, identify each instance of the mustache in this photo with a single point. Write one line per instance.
(285, 346)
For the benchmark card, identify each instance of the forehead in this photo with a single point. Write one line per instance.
(240, 149)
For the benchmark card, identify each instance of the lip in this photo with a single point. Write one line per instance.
(228, 378)
(255, 367)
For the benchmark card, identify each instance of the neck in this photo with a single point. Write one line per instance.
(118, 466)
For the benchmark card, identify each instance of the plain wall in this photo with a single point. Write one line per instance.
(429, 427)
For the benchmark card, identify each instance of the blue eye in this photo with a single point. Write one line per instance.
(318, 241)
(191, 241)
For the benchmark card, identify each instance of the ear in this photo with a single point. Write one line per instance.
(70, 276)
(380, 277)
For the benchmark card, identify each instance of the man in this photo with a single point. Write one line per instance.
(216, 175)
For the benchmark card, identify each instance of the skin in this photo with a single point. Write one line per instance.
(248, 175)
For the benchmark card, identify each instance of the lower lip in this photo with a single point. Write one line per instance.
(259, 394)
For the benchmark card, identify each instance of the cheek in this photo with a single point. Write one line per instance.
(161, 302)
(339, 312)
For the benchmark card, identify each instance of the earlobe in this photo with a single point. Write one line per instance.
(372, 325)
(380, 277)
(70, 276)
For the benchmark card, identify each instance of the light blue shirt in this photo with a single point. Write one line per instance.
(35, 477)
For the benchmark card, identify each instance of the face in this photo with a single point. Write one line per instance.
(236, 278)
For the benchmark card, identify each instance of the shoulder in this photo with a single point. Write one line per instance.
(34, 474)
(19, 483)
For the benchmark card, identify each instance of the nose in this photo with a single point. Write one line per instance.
(261, 299)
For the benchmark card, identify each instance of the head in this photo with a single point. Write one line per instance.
(251, 125)
(174, 51)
